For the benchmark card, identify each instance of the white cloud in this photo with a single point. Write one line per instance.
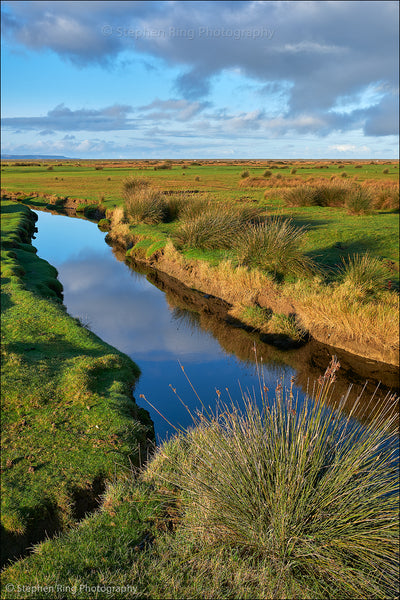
(349, 148)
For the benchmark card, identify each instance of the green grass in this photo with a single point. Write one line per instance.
(333, 233)
(275, 247)
(68, 417)
(280, 499)
(330, 233)
(220, 178)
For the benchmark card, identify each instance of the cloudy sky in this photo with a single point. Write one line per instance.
(200, 79)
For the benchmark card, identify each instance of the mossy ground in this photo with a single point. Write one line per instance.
(68, 416)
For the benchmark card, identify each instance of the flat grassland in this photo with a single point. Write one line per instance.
(332, 231)
(323, 235)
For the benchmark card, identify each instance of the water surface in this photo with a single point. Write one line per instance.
(159, 331)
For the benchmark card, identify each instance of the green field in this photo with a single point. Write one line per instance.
(68, 416)
(344, 219)
(223, 180)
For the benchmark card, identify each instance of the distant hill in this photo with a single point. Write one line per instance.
(33, 157)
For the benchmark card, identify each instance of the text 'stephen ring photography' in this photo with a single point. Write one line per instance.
(200, 300)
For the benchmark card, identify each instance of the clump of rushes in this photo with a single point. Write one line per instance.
(386, 199)
(359, 201)
(319, 195)
(244, 174)
(267, 173)
(133, 184)
(364, 274)
(301, 195)
(286, 325)
(307, 491)
(142, 203)
(293, 171)
(209, 225)
(274, 246)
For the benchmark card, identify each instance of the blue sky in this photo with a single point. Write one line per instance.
(200, 79)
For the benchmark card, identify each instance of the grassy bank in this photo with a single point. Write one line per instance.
(288, 502)
(281, 241)
(68, 417)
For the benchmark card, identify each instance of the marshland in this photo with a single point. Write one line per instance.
(246, 462)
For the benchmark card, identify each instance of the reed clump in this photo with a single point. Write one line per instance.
(274, 246)
(307, 491)
(208, 225)
(364, 274)
(317, 195)
(359, 202)
(143, 204)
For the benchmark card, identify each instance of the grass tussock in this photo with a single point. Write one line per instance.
(359, 201)
(309, 493)
(209, 225)
(133, 184)
(145, 205)
(322, 194)
(275, 247)
(364, 274)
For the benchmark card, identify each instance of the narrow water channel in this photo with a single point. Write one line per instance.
(161, 329)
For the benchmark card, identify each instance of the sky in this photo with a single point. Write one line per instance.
(200, 79)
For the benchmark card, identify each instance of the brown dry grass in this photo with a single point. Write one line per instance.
(234, 284)
(354, 323)
(119, 231)
(338, 310)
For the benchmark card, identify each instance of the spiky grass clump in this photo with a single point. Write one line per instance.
(209, 225)
(386, 198)
(287, 326)
(304, 489)
(359, 201)
(319, 195)
(363, 273)
(274, 246)
(302, 195)
(331, 195)
(146, 205)
(133, 184)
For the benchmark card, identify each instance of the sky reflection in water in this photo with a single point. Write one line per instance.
(128, 312)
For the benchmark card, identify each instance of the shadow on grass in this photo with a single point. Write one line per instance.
(306, 223)
(6, 301)
(44, 522)
(331, 256)
(10, 208)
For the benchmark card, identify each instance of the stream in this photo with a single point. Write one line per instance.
(178, 339)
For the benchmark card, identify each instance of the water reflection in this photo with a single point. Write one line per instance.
(150, 317)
